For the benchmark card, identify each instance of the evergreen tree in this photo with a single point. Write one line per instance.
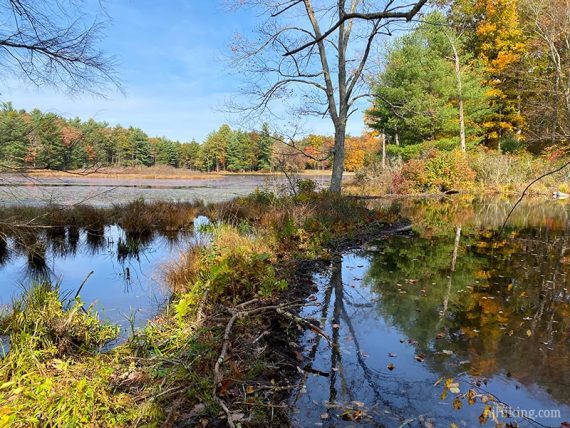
(265, 148)
(48, 136)
(416, 96)
(14, 132)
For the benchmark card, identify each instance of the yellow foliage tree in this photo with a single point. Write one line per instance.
(496, 36)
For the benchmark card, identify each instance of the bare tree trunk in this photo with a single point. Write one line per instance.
(338, 159)
(459, 94)
(383, 136)
(455, 248)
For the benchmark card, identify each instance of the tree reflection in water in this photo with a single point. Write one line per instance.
(454, 301)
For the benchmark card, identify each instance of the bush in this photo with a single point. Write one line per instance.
(438, 171)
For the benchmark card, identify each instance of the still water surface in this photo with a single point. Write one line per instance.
(126, 286)
(451, 302)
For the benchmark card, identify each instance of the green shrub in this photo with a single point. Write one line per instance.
(438, 171)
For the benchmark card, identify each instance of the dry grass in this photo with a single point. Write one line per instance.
(162, 172)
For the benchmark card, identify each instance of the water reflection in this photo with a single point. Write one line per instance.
(127, 284)
(453, 300)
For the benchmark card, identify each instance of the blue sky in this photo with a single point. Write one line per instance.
(171, 61)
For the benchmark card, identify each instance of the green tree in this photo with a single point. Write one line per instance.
(14, 131)
(214, 152)
(140, 147)
(265, 148)
(428, 76)
(47, 136)
(190, 155)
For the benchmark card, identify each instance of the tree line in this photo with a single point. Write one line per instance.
(39, 140)
(492, 72)
(46, 140)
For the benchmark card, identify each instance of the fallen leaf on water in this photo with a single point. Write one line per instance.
(324, 416)
(471, 397)
(437, 382)
(457, 404)
(391, 366)
(420, 358)
(349, 415)
(485, 415)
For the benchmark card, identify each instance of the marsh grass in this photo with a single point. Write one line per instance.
(54, 376)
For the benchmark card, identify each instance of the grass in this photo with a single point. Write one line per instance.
(54, 376)
(157, 172)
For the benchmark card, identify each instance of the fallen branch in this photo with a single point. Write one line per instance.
(304, 322)
(237, 314)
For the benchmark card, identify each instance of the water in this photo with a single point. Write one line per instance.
(127, 286)
(72, 189)
(451, 301)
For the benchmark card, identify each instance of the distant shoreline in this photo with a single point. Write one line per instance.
(160, 173)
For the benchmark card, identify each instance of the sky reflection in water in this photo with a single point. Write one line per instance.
(451, 301)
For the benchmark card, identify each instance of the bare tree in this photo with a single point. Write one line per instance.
(51, 42)
(549, 108)
(316, 52)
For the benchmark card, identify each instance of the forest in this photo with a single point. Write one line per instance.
(37, 140)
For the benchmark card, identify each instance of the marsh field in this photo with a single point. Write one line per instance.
(447, 319)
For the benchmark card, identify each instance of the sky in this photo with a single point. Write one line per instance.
(172, 62)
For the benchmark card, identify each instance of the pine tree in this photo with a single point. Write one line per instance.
(265, 148)
(416, 96)
(14, 131)
(48, 135)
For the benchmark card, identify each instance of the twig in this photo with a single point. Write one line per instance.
(83, 283)
(526, 190)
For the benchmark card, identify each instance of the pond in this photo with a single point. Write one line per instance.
(120, 274)
(102, 192)
(453, 323)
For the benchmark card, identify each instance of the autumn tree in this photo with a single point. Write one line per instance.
(316, 53)
(495, 35)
